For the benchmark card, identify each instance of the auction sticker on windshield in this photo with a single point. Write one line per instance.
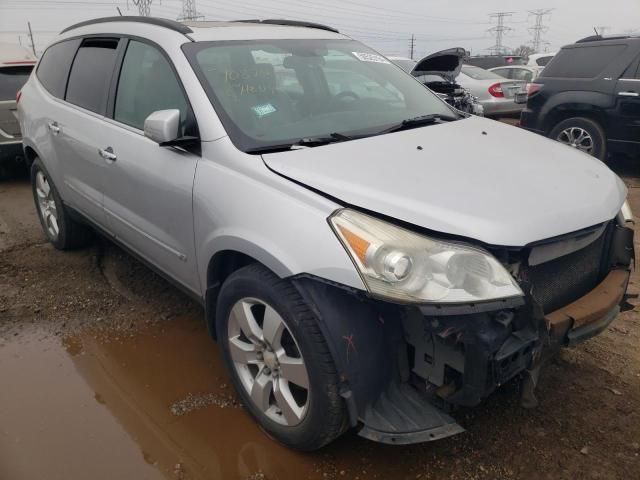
(263, 110)
(370, 57)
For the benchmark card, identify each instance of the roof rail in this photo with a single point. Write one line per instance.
(160, 22)
(290, 23)
(596, 38)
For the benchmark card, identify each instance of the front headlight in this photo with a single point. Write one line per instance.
(398, 264)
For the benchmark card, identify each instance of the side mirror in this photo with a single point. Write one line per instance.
(162, 126)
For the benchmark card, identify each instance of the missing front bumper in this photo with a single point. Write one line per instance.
(403, 370)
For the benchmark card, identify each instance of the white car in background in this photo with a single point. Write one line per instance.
(540, 59)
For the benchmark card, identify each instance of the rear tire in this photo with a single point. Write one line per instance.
(582, 133)
(61, 230)
(318, 415)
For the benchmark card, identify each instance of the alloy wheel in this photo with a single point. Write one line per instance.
(47, 205)
(576, 137)
(268, 361)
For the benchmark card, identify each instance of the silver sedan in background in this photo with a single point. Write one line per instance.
(526, 73)
(495, 93)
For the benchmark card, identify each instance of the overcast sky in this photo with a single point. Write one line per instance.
(385, 25)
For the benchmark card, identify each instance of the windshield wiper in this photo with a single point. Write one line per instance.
(417, 122)
(303, 142)
(316, 141)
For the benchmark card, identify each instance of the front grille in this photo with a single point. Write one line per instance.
(559, 282)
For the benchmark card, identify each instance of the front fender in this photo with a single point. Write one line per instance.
(240, 205)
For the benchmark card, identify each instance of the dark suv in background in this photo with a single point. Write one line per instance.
(589, 96)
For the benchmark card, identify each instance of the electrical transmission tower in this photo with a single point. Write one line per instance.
(499, 30)
(539, 28)
(189, 11)
(601, 30)
(144, 7)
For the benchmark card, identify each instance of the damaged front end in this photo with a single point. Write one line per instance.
(405, 368)
(439, 71)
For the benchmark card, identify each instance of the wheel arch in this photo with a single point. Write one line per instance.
(563, 112)
(559, 107)
(220, 266)
(30, 155)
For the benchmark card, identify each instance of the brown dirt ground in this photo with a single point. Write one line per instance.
(108, 372)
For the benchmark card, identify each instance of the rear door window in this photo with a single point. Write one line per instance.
(582, 61)
(54, 66)
(11, 80)
(503, 72)
(480, 74)
(630, 71)
(91, 73)
(521, 74)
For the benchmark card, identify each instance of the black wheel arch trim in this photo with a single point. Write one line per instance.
(563, 105)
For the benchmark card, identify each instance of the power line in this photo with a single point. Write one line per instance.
(539, 28)
(144, 7)
(362, 9)
(499, 30)
(224, 10)
(33, 45)
(189, 12)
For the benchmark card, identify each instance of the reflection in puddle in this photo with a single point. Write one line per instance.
(126, 390)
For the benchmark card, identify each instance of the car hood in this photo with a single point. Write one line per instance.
(475, 178)
(446, 63)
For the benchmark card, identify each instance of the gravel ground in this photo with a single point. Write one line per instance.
(97, 320)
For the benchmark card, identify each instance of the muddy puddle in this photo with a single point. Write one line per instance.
(155, 405)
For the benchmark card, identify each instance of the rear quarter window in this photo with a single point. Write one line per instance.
(54, 65)
(11, 80)
(544, 61)
(503, 72)
(480, 74)
(583, 61)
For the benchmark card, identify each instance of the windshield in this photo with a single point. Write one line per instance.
(11, 80)
(274, 92)
(478, 73)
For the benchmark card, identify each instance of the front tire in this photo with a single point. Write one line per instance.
(582, 133)
(278, 359)
(61, 230)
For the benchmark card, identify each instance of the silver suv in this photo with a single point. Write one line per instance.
(366, 255)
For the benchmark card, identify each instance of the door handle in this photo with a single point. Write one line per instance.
(54, 128)
(628, 94)
(107, 154)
